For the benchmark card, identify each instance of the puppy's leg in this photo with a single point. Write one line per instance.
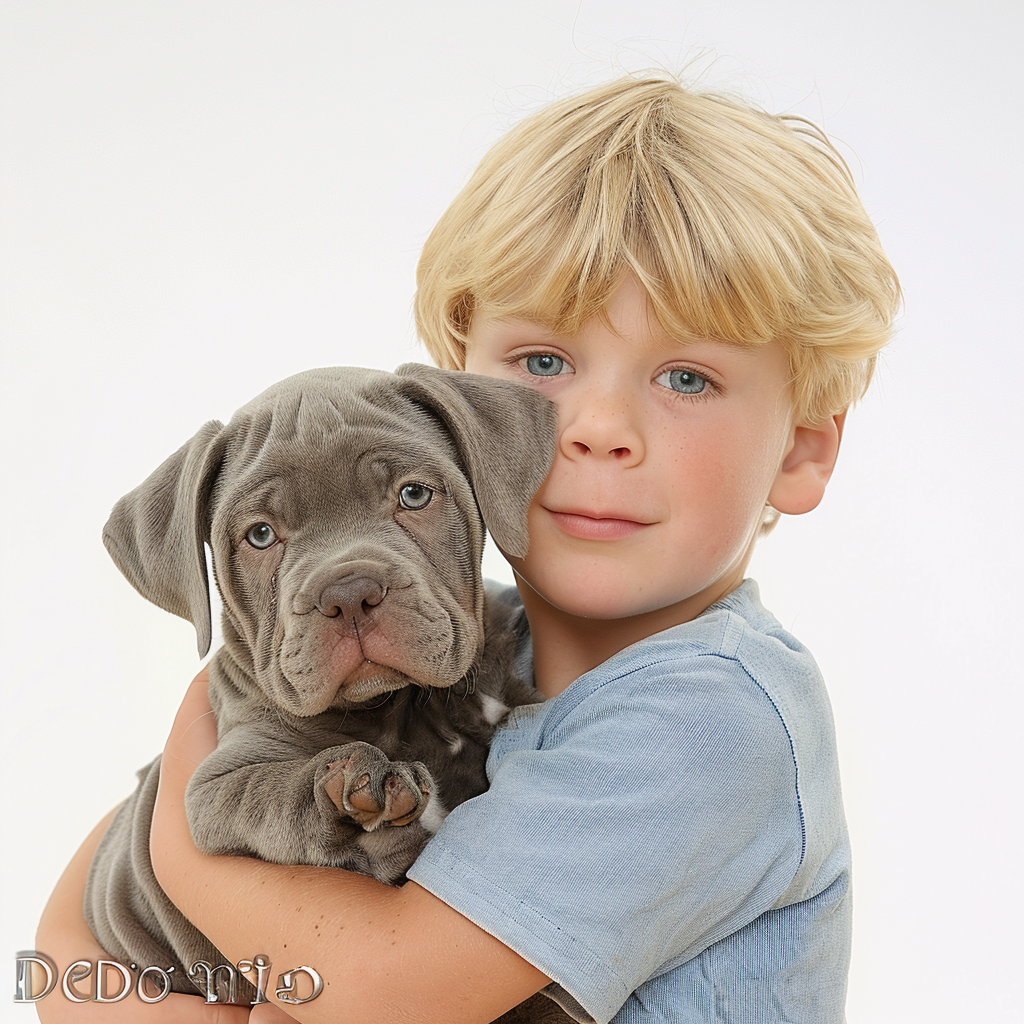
(279, 809)
(374, 791)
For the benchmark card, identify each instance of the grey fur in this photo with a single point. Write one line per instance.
(361, 648)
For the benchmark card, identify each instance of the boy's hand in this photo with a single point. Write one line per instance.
(192, 739)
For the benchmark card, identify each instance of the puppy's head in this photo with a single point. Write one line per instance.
(344, 509)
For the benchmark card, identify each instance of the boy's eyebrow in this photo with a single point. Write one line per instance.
(543, 327)
(520, 320)
(720, 354)
(739, 346)
(525, 324)
(517, 318)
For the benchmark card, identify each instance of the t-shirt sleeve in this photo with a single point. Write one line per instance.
(648, 818)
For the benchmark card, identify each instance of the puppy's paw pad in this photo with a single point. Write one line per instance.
(373, 791)
(404, 805)
(333, 785)
(361, 797)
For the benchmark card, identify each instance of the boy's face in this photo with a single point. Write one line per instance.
(666, 455)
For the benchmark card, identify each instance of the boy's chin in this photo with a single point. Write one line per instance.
(595, 599)
(606, 599)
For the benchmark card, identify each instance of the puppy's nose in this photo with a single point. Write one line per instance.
(352, 597)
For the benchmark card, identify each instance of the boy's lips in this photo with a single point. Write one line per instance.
(590, 525)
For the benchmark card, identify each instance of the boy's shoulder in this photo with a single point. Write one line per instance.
(737, 628)
(735, 647)
(750, 646)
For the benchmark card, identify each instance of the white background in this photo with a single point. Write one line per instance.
(199, 198)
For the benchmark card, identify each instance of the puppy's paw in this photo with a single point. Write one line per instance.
(373, 791)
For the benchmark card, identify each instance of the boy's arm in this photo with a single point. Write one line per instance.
(384, 953)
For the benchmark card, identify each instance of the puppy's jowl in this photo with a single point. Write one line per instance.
(364, 669)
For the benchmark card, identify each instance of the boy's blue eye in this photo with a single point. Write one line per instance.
(544, 364)
(686, 382)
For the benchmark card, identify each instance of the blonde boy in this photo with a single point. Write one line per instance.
(697, 287)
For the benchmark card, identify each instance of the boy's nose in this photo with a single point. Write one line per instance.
(602, 429)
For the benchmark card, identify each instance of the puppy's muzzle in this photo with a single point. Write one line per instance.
(351, 598)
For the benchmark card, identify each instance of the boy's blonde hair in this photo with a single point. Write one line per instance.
(740, 225)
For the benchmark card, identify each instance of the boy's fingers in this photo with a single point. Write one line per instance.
(193, 736)
(268, 1013)
(219, 1014)
(175, 1009)
(194, 733)
(182, 1009)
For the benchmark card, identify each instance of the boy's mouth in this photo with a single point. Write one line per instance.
(590, 526)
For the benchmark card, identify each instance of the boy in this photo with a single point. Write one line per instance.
(697, 287)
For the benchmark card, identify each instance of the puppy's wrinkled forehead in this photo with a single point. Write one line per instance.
(340, 420)
(316, 410)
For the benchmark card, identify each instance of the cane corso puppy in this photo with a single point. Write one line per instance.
(364, 670)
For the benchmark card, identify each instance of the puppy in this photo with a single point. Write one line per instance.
(364, 670)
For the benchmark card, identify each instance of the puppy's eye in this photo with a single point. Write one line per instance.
(415, 496)
(261, 536)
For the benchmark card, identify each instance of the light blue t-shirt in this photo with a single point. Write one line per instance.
(665, 838)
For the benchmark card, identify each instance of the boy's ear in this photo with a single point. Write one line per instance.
(800, 483)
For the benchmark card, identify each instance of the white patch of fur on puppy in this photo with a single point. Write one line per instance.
(494, 710)
(432, 817)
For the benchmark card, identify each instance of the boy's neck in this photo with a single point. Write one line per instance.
(566, 646)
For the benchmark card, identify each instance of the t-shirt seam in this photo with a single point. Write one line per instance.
(789, 739)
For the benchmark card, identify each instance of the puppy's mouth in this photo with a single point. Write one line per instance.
(349, 658)
(370, 680)
(363, 664)
(355, 665)
(340, 682)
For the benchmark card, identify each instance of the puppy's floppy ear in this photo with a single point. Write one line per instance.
(155, 534)
(505, 435)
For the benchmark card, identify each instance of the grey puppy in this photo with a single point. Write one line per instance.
(364, 669)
